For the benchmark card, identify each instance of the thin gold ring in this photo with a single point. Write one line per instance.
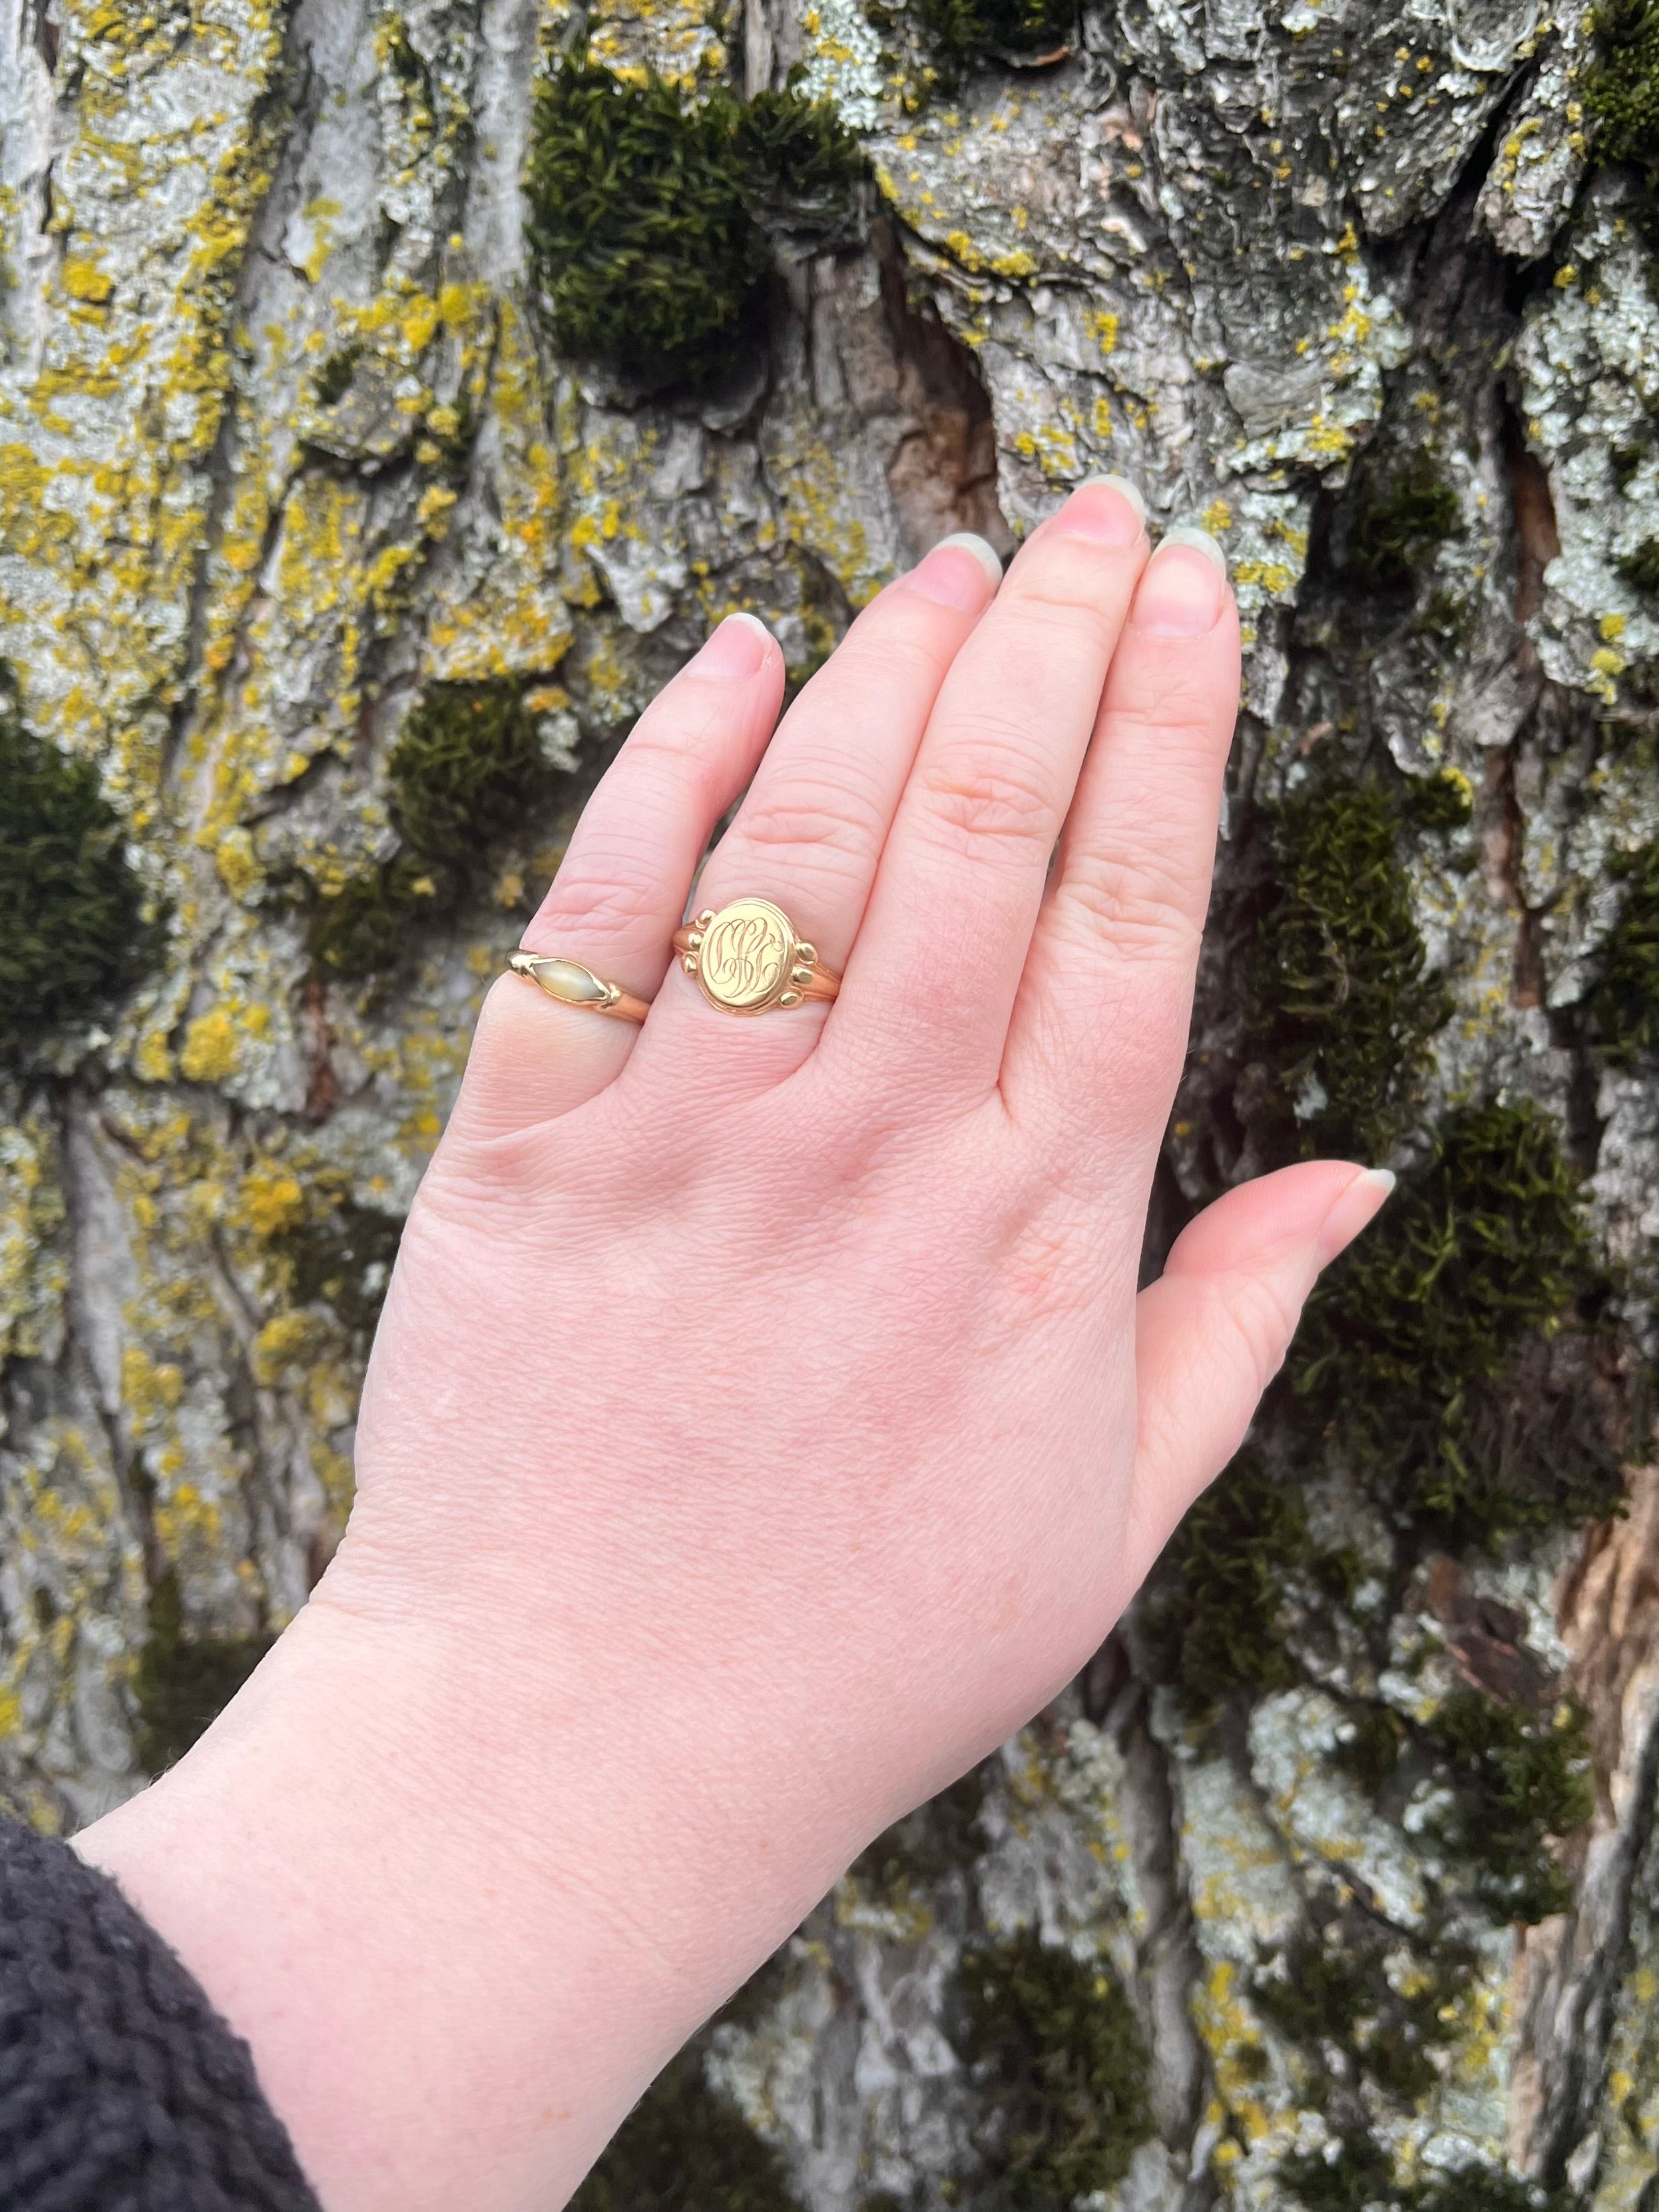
(748, 959)
(573, 985)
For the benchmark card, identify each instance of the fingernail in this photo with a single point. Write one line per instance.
(950, 581)
(1182, 592)
(1130, 490)
(737, 648)
(1356, 1209)
(1107, 508)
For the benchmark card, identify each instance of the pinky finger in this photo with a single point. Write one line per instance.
(621, 892)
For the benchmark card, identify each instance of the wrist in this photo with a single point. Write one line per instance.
(461, 1903)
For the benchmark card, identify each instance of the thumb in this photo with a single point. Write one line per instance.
(1212, 1332)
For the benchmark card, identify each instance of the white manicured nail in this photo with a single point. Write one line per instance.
(986, 555)
(1200, 540)
(1131, 491)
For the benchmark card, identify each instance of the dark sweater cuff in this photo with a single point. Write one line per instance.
(121, 2089)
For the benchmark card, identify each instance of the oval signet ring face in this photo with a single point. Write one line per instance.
(748, 959)
(745, 956)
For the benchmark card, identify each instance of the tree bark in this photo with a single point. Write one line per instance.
(286, 457)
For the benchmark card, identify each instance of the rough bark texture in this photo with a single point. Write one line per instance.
(1332, 1883)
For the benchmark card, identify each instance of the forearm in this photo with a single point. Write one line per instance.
(456, 1970)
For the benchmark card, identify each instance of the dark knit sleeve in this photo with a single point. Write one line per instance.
(121, 2089)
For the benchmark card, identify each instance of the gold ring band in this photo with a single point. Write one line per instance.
(573, 985)
(748, 959)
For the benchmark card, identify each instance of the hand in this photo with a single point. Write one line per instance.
(763, 1423)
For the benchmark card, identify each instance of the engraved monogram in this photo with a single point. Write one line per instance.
(743, 956)
(747, 958)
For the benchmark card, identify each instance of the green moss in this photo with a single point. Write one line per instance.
(1624, 1005)
(1374, 1738)
(1444, 800)
(1211, 1610)
(182, 1684)
(1359, 2178)
(964, 31)
(1061, 2064)
(934, 1840)
(1338, 1008)
(804, 166)
(1641, 568)
(650, 221)
(1480, 1250)
(465, 773)
(334, 379)
(1401, 511)
(1519, 1778)
(73, 934)
(1483, 2189)
(468, 763)
(365, 927)
(345, 1262)
(684, 2149)
(1622, 91)
(1335, 1999)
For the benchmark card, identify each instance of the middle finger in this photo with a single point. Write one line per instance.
(931, 987)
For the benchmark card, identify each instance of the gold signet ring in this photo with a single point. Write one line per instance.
(747, 959)
(573, 985)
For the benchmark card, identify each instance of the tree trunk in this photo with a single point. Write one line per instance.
(1331, 1883)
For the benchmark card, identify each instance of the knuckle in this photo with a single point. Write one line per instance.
(1050, 647)
(618, 903)
(670, 750)
(1261, 1320)
(1144, 908)
(1067, 577)
(897, 647)
(1169, 700)
(985, 793)
(1096, 1078)
(799, 814)
(899, 630)
(1054, 1270)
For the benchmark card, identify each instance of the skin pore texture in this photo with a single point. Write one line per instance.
(763, 1422)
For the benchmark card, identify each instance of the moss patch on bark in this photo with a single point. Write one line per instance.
(964, 33)
(1356, 2175)
(1481, 1249)
(343, 1260)
(1519, 1779)
(1401, 510)
(1062, 2069)
(465, 773)
(1340, 1009)
(1214, 1609)
(1624, 1005)
(1622, 90)
(683, 2149)
(73, 936)
(651, 221)
(1335, 1996)
(183, 1683)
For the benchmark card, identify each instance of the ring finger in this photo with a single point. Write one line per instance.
(810, 833)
